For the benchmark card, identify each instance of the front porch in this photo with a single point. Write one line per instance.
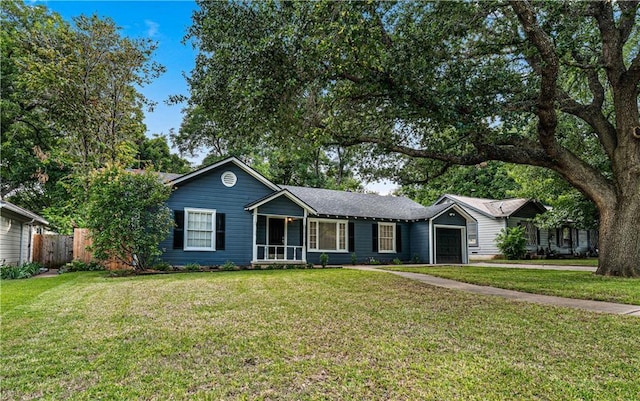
(279, 239)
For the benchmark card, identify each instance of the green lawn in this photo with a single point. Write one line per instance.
(569, 284)
(558, 262)
(302, 335)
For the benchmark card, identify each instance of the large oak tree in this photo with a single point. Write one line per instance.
(439, 84)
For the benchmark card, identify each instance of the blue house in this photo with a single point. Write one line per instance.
(229, 212)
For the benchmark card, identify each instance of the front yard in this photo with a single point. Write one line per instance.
(301, 335)
(568, 284)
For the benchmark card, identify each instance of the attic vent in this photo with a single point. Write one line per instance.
(229, 179)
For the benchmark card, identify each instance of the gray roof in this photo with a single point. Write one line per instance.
(26, 214)
(329, 202)
(490, 207)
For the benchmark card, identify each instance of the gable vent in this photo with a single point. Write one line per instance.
(229, 179)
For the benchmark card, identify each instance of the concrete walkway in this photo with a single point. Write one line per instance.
(592, 306)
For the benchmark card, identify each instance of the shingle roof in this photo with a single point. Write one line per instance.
(490, 207)
(329, 202)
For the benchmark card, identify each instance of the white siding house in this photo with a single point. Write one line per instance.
(493, 215)
(17, 226)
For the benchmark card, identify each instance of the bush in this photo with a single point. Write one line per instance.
(192, 267)
(397, 261)
(162, 267)
(128, 215)
(354, 258)
(324, 260)
(512, 242)
(80, 266)
(228, 265)
(17, 272)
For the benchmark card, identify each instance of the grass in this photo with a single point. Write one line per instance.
(558, 262)
(302, 335)
(568, 284)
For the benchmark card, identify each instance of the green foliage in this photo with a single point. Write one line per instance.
(396, 261)
(374, 261)
(228, 265)
(25, 270)
(324, 259)
(354, 258)
(418, 87)
(80, 266)
(567, 203)
(485, 180)
(512, 242)
(162, 266)
(193, 267)
(128, 216)
(71, 102)
(155, 152)
(415, 259)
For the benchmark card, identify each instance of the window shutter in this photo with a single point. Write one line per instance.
(398, 238)
(178, 229)
(374, 237)
(301, 225)
(352, 237)
(220, 231)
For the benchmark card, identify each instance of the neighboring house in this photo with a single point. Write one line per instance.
(17, 227)
(229, 212)
(492, 215)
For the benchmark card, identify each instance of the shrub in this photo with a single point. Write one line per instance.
(162, 267)
(324, 260)
(80, 266)
(416, 258)
(374, 261)
(128, 216)
(397, 261)
(228, 265)
(17, 272)
(354, 259)
(192, 267)
(512, 242)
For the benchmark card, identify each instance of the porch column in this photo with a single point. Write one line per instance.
(255, 235)
(304, 236)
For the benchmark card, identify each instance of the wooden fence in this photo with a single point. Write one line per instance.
(82, 242)
(52, 250)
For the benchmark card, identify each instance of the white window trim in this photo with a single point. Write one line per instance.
(337, 223)
(393, 237)
(470, 232)
(188, 210)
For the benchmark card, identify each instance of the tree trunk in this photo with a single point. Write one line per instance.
(619, 243)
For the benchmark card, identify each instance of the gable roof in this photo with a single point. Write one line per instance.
(328, 202)
(238, 163)
(284, 192)
(494, 208)
(28, 215)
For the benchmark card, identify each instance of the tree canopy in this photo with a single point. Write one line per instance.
(71, 103)
(422, 86)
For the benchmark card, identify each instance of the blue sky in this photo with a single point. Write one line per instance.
(166, 22)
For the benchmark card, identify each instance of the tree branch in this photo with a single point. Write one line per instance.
(548, 71)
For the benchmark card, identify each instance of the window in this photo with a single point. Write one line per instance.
(328, 235)
(199, 230)
(472, 234)
(386, 237)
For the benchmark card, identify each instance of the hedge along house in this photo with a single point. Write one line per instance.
(229, 212)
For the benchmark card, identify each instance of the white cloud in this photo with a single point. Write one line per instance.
(152, 28)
